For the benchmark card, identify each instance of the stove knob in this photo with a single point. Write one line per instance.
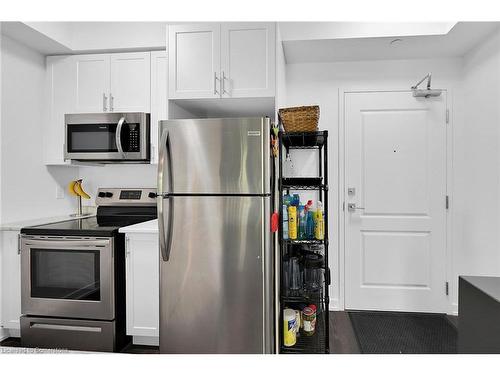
(101, 194)
(152, 195)
(108, 194)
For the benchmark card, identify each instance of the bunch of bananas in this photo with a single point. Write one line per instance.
(75, 188)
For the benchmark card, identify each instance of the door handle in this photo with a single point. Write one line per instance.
(223, 84)
(352, 207)
(61, 327)
(164, 160)
(118, 135)
(215, 83)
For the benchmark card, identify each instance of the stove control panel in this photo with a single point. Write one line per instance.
(126, 197)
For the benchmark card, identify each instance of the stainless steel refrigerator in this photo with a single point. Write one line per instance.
(217, 261)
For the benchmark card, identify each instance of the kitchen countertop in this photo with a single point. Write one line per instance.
(33, 222)
(145, 227)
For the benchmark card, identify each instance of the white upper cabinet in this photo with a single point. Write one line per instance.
(228, 60)
(159, 97)
(92, 83)
(113, 83)
(118, 82)
(248, 59)
(61, 94)
(130, 82)
(194, 61)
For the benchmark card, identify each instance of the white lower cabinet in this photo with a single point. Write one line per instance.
(143, 287)
(10, 280)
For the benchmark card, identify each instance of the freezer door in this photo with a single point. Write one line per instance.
(214, 156)
(216, 287)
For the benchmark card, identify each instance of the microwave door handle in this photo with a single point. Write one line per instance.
(118, 134)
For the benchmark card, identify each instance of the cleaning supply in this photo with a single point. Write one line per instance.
(319, 223)
(289, 327)
(285, 222)
(309, 205)
(287, 199)
(292, 222)
(295, 200)
(302, 222)
(310, 224)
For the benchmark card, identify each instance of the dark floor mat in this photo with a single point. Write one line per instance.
(388, 332)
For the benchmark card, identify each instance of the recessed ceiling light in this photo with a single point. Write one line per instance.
(395, 42)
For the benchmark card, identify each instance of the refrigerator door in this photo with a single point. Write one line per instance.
(214, 156)
(216, 287)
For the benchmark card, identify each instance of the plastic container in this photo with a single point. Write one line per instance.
(289, 327)
(285, 222)
(309, 225)
(319, 224)
(294, 276)
(302, 223)
(292, 222)
(313, 272)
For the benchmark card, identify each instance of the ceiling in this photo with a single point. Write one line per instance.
(461, 38)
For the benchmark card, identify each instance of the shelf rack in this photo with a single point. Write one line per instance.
(317, 343)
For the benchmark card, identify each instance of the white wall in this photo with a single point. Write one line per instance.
(28, 188)
(319, 83)
(476, 197)
(117, 176)
(88, 36)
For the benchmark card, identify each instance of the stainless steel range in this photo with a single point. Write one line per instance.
(73, 275)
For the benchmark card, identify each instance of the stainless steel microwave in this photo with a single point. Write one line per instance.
(107, 137)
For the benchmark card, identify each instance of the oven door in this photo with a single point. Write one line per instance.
(107, 137)
(67, 277)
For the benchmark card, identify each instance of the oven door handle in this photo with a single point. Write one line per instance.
(64, 243)
(118, 136)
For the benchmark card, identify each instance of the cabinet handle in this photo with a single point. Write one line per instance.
(223, 84)
(127, 247)
(104, 102)
(215, 83)
(111, 102)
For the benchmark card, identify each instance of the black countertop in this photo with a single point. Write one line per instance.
(92, 226)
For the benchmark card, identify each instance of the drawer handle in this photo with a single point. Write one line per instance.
(65, 327)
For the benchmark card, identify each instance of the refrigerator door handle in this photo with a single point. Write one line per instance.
(165, 235)
(163, 197)
(164, 160)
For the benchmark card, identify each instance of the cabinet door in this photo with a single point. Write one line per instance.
(194, 61)
(130, 82)
(248, 59)
(142, 284)
(159, 101)
(92, 83)
(11, 280)
(61, 94)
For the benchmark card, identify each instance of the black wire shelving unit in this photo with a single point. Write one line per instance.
(319, 342)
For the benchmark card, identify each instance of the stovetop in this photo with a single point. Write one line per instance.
(117, 208)
(90, 226)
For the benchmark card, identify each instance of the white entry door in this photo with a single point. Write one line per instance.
(395, 175)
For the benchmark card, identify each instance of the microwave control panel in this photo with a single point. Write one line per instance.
(133, 138)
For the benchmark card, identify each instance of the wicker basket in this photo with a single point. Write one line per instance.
(300, 119)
